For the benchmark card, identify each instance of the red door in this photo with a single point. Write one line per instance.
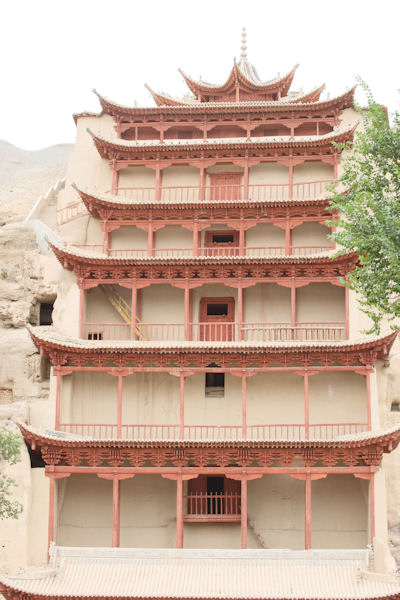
(225, 186)
(217, 319)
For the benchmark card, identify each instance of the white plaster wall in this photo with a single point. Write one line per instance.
(312, 171)
(339, 512)
(174, 236)
(148, 512)
(202, 410)
(85, 512)
(320, 302)
(311, 234)
(137, 177)
(275, 398)
(268, 173)
(128, 237)
(150, 398)
(162, 304)
(276, 509)
(177, 176)
(267, 303)
(337, 397)
(265, 235)
(212, 535)
(38, 517)
(89, 397)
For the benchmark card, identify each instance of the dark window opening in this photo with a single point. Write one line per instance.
(215, 385)
(215, 485)
(217, 309)
(95, 335)
(37, 461)
(215, 488)
(46, 313)
(395, 407)
(223, 239)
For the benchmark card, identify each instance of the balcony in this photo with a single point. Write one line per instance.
(218, 331)
(270, 432)
(306, 190)
(216, 507)
(248, 251)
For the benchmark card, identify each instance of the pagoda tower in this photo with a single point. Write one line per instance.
(214, 429)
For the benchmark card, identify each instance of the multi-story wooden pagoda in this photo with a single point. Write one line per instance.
(211, 388)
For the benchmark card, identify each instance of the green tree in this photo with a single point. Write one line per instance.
(10, 453)
(369, 222)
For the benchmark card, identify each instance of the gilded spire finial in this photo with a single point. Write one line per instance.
(244, 43)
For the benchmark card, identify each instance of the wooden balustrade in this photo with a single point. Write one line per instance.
(249, 251)
(218, 331)
(285, 431)
(215, 506)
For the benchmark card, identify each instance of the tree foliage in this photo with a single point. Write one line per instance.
(9, 452)
(369, 222)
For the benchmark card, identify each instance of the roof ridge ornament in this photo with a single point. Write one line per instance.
(244, 44)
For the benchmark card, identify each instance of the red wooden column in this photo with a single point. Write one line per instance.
(196, 238)
(244, 406)
(243, 512)
(181, 405)
(288, 238)
(133, 312)
(119, 407)
(115, 177)
(150, 239)
(202, 183)
(57, 373)
(293, 306)
(368, 386)
(306, 407)
(242, 239)
(158, 182)
(179, 478)
(116, 503)
(290, 181)
(188, 312)
(246, 180)
(240, 310)
(308, 478)
(81, 308)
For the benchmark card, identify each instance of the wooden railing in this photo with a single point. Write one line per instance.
(203, 506)
(254, 192)
(249, 251)
(223, 332)
(285, 431)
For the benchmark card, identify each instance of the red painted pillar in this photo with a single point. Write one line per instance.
(368, 385)
(187, 313)
(51, 507)
(244, 406)
(119, 408)
(308, 524)
(179, 512)
(150, 240)
(306, 406)
(133, 313)
(246, 181)
(242, 240)
(115, 179)
(288, 239)
(243, 512)
(81, 310)
(293, 309)
(58, 399)
(158, 182)
(195, 238)
(116, 512)
(240, 311)
(181, 405)
(290, 182)
(202, 187)
(190, 314)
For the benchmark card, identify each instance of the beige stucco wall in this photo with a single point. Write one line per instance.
(275, 398)
(137, 177)
(268, 303)
(128, 237)
(174, 236)
(38, 517)
(150, 398)
(89, 398)
(268, 173)
(265, 235)
(202, 410)
(311, 234)
(312, 171)
(338, 397)
(320, 302)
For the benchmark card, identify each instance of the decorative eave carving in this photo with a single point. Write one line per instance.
(68, 352)
(304, 104)
(109, 207)
(359, 450)
(93, 269)
(265, 148)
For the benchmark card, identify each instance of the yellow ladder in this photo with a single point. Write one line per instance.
(120, 305)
